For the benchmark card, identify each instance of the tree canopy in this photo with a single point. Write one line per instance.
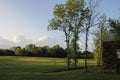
(69, 18)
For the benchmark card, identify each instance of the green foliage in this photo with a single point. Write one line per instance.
(18, 50)
(32, 50)
(6, 52)
(58, 51)
(69, 18)
(90, 55)
(115, 28)
(99, 36)
(24, 52)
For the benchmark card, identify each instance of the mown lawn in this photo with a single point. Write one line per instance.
(36, 68)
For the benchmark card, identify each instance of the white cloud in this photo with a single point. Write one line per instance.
(45, 40)
(17, 39)
(79, 43)
(5, 43)
(21, 40)
(42, 38)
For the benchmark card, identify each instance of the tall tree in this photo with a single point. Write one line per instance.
(100, 35)
(76, 12)
(68, 18)
(90, 22)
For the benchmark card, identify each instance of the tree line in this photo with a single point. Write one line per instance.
(45, 51)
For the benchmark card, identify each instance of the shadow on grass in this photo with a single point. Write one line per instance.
(65, 69)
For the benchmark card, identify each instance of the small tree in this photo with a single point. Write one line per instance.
(100, 35)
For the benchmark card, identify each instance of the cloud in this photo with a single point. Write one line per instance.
(45, 40)
(21, 40)
(5, 43)
(79, 43)
(42, 38)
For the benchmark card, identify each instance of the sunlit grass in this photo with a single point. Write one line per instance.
(37, 68)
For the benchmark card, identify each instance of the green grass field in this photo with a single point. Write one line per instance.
(36, 68)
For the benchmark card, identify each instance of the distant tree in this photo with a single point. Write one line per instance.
(38, 52)
(31, 48)
(24, 52)
(8, 52)
(58, 51)
(90, 55)
(45, 51)
(18, 51)
(2, 52)
(13, 48)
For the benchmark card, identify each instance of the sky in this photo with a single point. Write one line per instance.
(25, 22)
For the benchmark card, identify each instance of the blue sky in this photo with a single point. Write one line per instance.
(25, 21)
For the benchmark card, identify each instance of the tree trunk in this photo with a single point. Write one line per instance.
(75, 56)
(86, 46)
(101, 46)
(68, 54)
(68, 58)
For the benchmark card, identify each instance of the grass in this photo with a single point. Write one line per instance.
(36, 68)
